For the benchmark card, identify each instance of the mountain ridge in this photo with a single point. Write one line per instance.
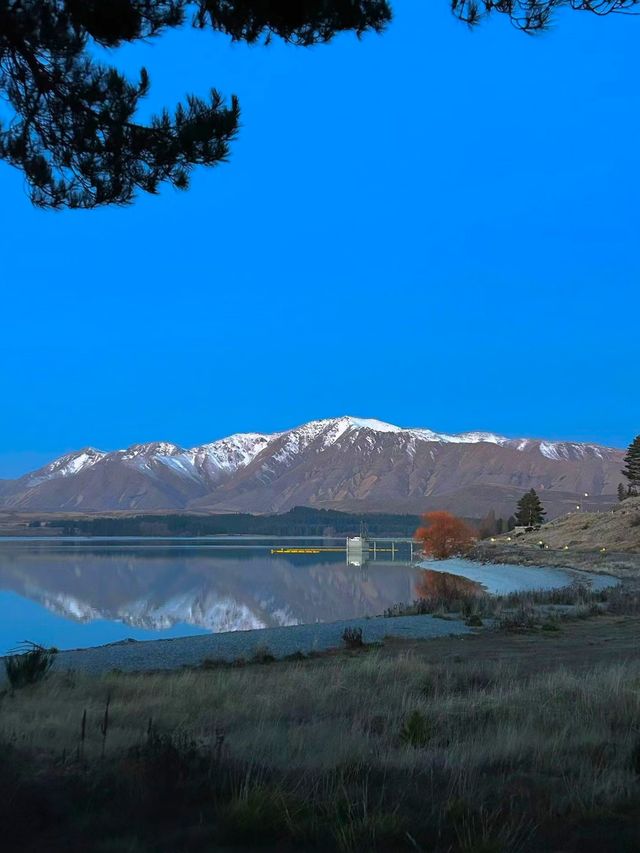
(343, 463)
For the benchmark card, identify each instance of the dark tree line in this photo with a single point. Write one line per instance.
(74, 131)
(299, 521)
(529, 513)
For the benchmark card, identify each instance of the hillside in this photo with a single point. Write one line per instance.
(616, 530)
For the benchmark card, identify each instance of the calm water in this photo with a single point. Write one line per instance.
(74, 593)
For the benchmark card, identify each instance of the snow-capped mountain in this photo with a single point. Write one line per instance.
(343, 463)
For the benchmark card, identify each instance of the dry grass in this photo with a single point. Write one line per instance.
(499, 761)
(616, 529)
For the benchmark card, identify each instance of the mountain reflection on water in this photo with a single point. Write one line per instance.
(71, 593)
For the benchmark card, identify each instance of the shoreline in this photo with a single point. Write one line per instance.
(229, 646)
(175, 653)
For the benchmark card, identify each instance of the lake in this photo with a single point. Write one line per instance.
(76, 593)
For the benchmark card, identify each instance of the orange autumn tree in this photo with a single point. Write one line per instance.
(444, 535)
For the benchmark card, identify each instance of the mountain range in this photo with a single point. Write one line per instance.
(344, 463)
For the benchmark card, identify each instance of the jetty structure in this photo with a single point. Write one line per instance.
(361, 549)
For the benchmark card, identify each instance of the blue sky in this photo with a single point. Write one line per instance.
(434, 227)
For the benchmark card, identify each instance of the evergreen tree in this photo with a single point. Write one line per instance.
(622, 492)
(511, 522)
(530, 511)
(73, 131)
(631, 468)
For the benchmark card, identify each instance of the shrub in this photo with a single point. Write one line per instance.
(29, 664)
(362, 828)
(523, 619)
(262, 654)
(635, 758)
(295, 656)
(352, 638)
(213, 663)
(161, 772)
(416, 730)
(258, 814)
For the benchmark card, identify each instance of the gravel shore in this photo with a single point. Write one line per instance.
(132, 656)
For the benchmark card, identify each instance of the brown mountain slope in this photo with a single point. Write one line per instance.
(343, 463)
(408, 474)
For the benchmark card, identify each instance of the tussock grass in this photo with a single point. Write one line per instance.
(349, 752)
(526, 610)
(28, 664)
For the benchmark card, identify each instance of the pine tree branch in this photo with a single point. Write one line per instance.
(532, 16)
(74, 132)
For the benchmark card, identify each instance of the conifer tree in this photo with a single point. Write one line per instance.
(631, 468)
(530, 511)
(74, 131)
(622, 492)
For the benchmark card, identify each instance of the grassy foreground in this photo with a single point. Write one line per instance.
(406, 747)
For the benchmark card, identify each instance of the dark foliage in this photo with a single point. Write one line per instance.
(416, 731)
(74, 132)
(299, 521)
(631, 468)
(302, 22)
(352, 638)
(536, 15)
(530, 510)
(29, 664)
(263, 654)
(634, 759)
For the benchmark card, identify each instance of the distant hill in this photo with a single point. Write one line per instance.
(348, 464)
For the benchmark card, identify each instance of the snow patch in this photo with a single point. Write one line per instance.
(551, 451)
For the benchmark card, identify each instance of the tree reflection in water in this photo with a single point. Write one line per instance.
(432, 586)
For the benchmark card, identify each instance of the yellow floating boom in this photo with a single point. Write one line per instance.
(305, 550)
(322, 550)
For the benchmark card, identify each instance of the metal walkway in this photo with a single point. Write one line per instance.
(361, 549)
